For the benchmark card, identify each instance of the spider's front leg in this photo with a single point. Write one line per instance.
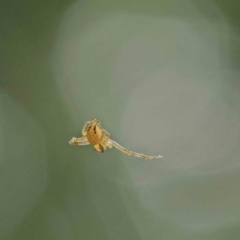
(79, 141)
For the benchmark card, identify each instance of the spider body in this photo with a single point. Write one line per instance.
(95, 135)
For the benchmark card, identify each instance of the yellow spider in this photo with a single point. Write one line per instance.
(94, 134)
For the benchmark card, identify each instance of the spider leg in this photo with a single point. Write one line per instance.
(79, 141)
(103, 144)
(85, 126)
(106, 136)
(134, 154)
(109, 143)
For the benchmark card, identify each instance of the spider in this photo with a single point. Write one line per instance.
(94, 134)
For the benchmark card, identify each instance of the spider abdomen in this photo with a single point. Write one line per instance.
(94, 133)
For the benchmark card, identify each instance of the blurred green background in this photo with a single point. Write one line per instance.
(162, 77)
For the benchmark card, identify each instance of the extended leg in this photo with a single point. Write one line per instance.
(85, 126)
(134, 154)
(104, 141)
(79, 141)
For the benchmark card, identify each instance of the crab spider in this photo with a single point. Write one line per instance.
(94, 134)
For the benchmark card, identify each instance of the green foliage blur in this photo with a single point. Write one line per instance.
(51, 190)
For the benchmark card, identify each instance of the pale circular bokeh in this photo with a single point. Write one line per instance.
(161, 85)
